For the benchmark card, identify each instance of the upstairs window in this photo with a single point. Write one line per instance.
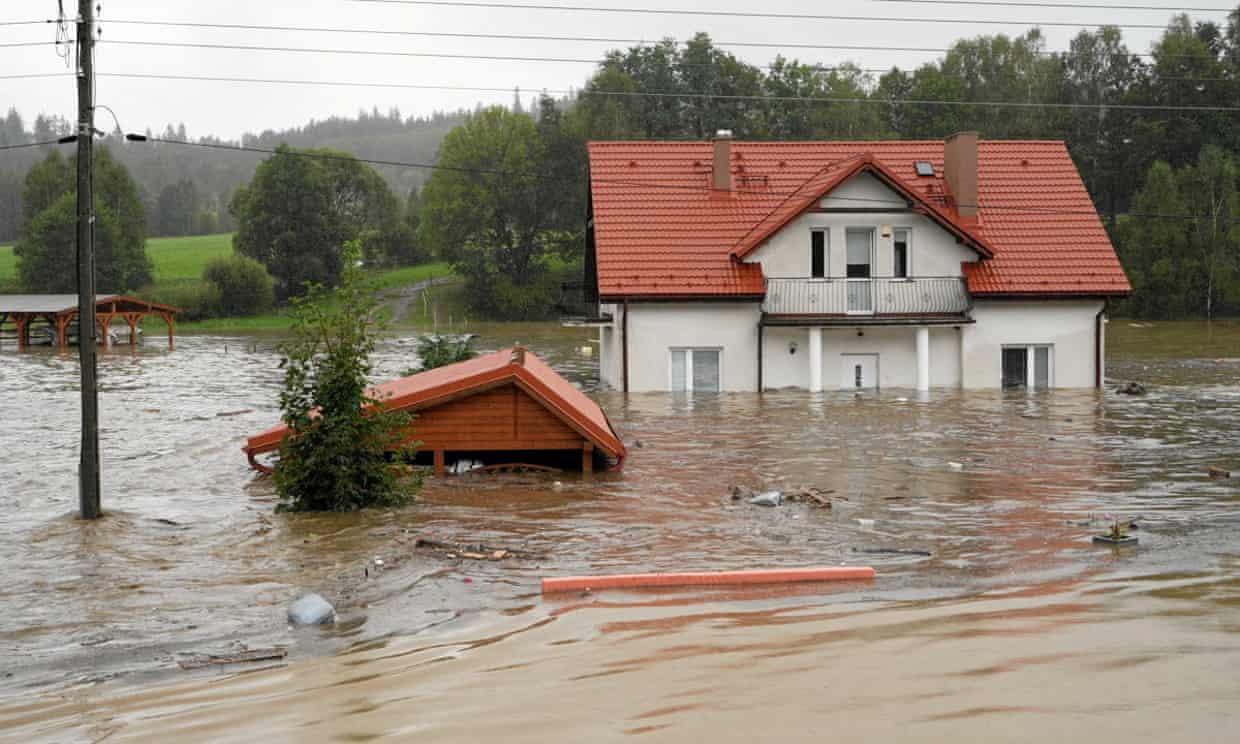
(818, 254)
(900, 252)
(860, 248)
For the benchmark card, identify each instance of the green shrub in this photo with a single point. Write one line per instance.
(244, 286)
(439, 351)
(197, 299)
(339, 457)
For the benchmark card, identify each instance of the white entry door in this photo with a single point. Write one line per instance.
(860, 371)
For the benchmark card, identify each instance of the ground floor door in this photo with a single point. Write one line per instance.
(860, 371)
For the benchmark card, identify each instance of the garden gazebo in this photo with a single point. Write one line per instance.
(61, 310)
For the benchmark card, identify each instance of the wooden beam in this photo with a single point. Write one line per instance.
(587, 459)
(439, 463)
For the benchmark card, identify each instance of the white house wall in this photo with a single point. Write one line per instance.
(970, 357)
(1067, 325)
(895, 345)
(934, 251)
(609, 369)
(656, 328)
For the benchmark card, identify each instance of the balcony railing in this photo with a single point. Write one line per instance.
(917, 296)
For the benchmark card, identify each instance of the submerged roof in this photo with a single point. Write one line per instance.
(56, 304)
(42, 303)
(662, 231)
(514, 365)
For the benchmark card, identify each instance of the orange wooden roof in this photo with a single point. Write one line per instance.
(662, 232)
(433, 387)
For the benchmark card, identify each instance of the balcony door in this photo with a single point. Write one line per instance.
(860, 269)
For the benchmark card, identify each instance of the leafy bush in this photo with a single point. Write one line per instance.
(245, 287)
(197, 299)
(439, 351)
(340, 456)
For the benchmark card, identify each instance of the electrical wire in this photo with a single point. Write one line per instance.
(519, 58)
(589, 39)
(743, 14)
(1073, 6)
(27, 145)
(33, 75)
(698, 96)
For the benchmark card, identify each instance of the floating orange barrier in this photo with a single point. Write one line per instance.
(719, 578)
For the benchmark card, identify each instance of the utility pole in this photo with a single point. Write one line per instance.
(88, 468)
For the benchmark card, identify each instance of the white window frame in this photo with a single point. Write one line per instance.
(1031, 364)
(688, 350)
(908, 254)
(873, 231)
(826, 254)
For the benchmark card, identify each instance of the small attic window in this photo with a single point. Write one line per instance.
(924, 168)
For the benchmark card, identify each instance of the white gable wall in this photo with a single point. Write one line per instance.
(934, 251)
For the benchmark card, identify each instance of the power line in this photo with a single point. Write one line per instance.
(45, 143)
(1073, 6)
(32, 75)
(587, 39)
(527, 58)
(690, 95)
(743, 14)
(25, 23)
(8, 44)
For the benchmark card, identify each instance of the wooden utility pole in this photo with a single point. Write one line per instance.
(88, 469)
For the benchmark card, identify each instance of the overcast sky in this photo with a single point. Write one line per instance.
(228, 109)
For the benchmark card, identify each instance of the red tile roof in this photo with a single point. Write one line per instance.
(662, 232)
(434, 387)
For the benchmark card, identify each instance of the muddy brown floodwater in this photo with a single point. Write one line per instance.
(997, 619)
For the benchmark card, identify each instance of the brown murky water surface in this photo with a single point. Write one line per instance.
(1013, 626)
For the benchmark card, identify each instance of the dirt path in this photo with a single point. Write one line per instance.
(400, 299)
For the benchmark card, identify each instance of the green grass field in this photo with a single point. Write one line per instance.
(173, 258)
(178, 261)
(8, 264)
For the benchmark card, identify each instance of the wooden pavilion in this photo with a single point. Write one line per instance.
(61, 310)
(503, 409)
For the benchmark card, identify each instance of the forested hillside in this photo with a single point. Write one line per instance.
(186, 190)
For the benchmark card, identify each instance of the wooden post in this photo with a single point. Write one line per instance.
(3, 318)
(62, 330)
(105, 327)
(133, 319)
(171, 321)
(23, 324)
(439, 463)
(587, 459)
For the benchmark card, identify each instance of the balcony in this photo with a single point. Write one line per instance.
(859, 299)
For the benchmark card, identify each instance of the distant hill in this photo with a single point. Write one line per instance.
(161, 168)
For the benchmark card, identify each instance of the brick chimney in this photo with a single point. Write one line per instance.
(960, 170)
(721, 168)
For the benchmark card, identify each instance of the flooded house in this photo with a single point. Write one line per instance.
(743, 266)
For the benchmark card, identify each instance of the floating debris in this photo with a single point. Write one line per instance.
(1217, 473)
(770, 498)
(475, 551)
(1131, 388)
(311, 609)
(242, 657)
